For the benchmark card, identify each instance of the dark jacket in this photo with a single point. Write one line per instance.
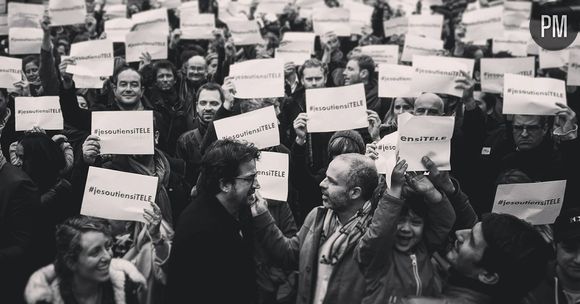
(549, 291)
(212, 259)
(188, 148)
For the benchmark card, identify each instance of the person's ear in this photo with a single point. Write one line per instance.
(364, 74)
(225, 186)
(488, 278)
(355, 193)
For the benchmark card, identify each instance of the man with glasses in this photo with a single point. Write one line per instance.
(213, 244)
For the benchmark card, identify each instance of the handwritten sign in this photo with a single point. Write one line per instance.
(124, 132)
(259, 127)
(43, 112)
(118, 195)
(335, 109)
(537, 203)
(272, 173)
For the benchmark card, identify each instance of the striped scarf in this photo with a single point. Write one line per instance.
(347, 234)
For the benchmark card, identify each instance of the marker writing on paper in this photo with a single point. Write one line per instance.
(120, 131)
(132, 196)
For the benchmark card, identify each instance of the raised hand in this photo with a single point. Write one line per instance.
(91, 149)
(440, 179)
(423, 186)
(300, 124)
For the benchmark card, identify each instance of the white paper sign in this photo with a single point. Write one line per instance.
(483, 24)
(245, 32)
(116, 11)
(436, 74)
(259, 127)
(89, 82)
(574, 69)
(536, 203)
(387, 150)
(382, 53)
(493, 69)
(553, 59)
(10, 71)
(92, 58)
(426, 25)
(124, 132)
(421, 136)
(24, 15)
(272, 174)
(258, 78)
(336, 109)
(415, 45)
(24, 40)
(67, 12)
(294, 51)
(191, 5)
(137, 43)
(118, 28)
(197, 26)
(360, 16)
(118, 195)
(275, 7)
(43, 112)
(396, 26)
(532, 96)
(516, 12)
(513, 42)
(151, 21)
(328, 19)
(299, 36)
(395, 81)
(3, 25)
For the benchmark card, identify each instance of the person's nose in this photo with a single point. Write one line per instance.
(323, 184)
(256, 183)
(525, 132)
(460, 234)
(405, 227)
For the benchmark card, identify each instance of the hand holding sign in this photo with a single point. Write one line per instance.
(467, 84)
(300, 128)
(440, 179)
(398, 179)
(565, 118)
(374, 124)
(371, 151)
(153, 218)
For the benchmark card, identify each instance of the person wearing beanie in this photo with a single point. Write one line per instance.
(562, 282)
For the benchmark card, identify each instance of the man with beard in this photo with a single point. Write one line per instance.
(361, 69)
(210, 98)
(212, 258)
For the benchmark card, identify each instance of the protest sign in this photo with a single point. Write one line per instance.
(197, 26)
(574, 69)
(335, 109)
(245, 32)
(532, 96)
(116, 29)
(395, 81)
(24, 41)
(484, 23)
(67, 12)
(137, 43)
(107, 197)
(513, 42)
(425, 25)
(516, 12)
(24, 15)
(396, 26)
(421, 136)
(272, 174)
(92, 58)
(328, 19)
(415, 45)
(360, 16)
(299, 36)
(115, 11)
(258, 78)
(536, 203)
(10, 71)
(294, 51)
(493, 69)
(192, 6)
(275, 7)
(124, 132)
(553, 59)
(43, 112)
(382, 53)
(151, 21)
(2, 6)
(387, 150)
(89, 82)
(170, 4)
(3, 25)
(259, 127)
(437, 74)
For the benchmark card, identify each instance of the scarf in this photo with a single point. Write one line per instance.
(158, 166)
(350, 233)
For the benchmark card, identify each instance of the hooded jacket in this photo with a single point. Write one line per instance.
(549, 291)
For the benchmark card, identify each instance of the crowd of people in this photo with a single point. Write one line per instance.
(346, 233)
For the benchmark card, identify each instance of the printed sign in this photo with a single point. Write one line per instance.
(437, 74)
(259, 127)
(197, 26)
(67, 12)
(483, 24)
(493, 69)
(137, 43)
(10, 71)
(396, 26)
(272, 173)
(43, 112)
(92, 58)
(415, 45)
(426, 25)
(383, 53)
(294, 51)
(387, 150)
(151, 21)
(574, 69)
(258, 78)
(513, 42)
(124, 132)
(395, 81)
(24, 15)
(118, 28)
(335, 109)
(328, 19)
(532, 96)
(245, 32)
(24, 40)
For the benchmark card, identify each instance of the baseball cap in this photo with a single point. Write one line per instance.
(567, 225)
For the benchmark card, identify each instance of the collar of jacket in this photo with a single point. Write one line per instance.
(464, 287)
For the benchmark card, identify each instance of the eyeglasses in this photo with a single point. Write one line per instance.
(528, 128)
(249, 178)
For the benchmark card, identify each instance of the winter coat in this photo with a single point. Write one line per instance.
(43, 285)
(549, 291)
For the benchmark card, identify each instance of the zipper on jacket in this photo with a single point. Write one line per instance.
(416, 273)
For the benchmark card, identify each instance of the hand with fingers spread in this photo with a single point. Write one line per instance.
(374, 125)
(466, 83)
(398, 179)
(300, 124)
(153, 218)
(423, 186)
(91, 149)
(371, 151)
(565, 118)
(440, 179)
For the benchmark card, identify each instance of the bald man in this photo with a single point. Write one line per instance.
(196, 70)
(429, 104)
